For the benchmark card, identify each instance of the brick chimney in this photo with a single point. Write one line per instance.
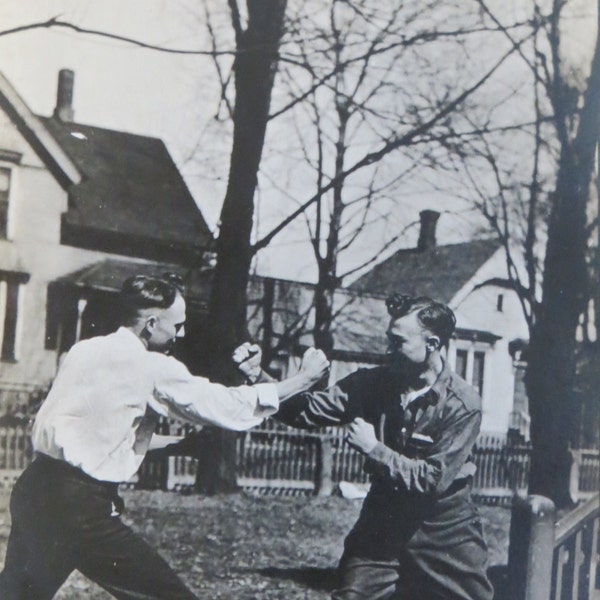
(64, 96)
(429, 220)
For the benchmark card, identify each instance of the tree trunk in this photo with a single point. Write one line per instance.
(328, 282)
(254, 67)
(551, 369)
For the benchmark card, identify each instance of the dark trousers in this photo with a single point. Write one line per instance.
(405, 547)
(63, 520)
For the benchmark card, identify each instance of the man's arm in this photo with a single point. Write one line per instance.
(337, 405)
(197, 400)
(435, 472)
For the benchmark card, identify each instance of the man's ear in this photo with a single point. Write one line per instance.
(149, 327)
(434, 343)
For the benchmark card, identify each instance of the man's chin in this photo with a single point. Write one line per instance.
(164, 348)
(403, 365)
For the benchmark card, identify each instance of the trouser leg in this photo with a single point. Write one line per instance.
(36, 562)
(363, 578)
(121, 562)
(449, 551)
(62, 521)
(428, 548)
(32, 574)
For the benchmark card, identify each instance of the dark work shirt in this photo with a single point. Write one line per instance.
(422, 448)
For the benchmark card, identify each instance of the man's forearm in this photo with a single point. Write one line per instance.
(264, 377)
(293, 385)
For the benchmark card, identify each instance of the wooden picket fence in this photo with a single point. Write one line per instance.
(273, 458)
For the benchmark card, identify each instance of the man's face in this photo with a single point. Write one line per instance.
(168, 326)
(409, 341)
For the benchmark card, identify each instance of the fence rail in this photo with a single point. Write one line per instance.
(557, 561)
(575, 559)
(273, 456)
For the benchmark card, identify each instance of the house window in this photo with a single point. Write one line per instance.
(4, 191)
(478, 368)
(500, 303)
(461, 363)
(470, 365)
(9, 303)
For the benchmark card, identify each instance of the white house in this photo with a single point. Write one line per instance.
(490, 320)
(81, 208)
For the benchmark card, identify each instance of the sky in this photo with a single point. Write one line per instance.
(171, 96)
(117, 85)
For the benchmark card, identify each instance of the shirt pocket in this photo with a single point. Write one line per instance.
(419, 445)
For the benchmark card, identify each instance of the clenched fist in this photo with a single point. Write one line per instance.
(361, 435)
(248, 357)
(314, 364)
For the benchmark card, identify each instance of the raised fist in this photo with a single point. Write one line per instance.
(247, 357)
(314, 364)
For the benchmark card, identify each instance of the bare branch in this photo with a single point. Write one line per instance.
(224, 81)
(55, 22)
(394, 143)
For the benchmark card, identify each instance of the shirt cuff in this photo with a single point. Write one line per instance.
(267, 395)
(380, 453)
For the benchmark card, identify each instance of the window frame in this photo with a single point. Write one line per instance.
(11, 311)
(9, 160)
(471, 348)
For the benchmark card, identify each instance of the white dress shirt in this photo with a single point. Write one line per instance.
(96, 415)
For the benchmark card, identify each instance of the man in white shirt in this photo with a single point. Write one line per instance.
(93, 431)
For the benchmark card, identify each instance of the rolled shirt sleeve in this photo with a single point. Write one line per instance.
(452, 425)
(339, 404)
(181, 395)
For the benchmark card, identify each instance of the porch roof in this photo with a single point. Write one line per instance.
(108, 276)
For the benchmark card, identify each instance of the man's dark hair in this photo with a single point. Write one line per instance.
(435, 316)
(140, 292)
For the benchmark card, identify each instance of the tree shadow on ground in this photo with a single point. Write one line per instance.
(325, 579)
(315, 578)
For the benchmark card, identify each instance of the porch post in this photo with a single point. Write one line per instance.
(531, 548)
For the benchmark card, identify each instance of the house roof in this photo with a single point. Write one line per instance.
(439, 272)
(108, 276)
(358, 330)
(59, 163)
(131, 189)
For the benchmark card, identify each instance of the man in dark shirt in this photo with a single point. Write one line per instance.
(418, 534)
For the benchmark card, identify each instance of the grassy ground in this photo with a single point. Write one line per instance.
(246, 546)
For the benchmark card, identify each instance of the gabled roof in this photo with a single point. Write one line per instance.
(58, 162)
(439, 272)
(131, 196)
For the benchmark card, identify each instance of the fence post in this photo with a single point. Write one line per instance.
(531, 548)
(324, 471)
(574, 474)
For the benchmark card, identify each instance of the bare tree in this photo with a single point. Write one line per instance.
(255, 64)
(543, 226)
(374, 81)
(565, 291)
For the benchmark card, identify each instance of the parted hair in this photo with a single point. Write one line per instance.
(434, 316)
(141, 292)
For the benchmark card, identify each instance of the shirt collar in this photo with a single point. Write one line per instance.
(440, 385)
(127, 334)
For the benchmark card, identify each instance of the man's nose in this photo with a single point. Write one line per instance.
(181, 332)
